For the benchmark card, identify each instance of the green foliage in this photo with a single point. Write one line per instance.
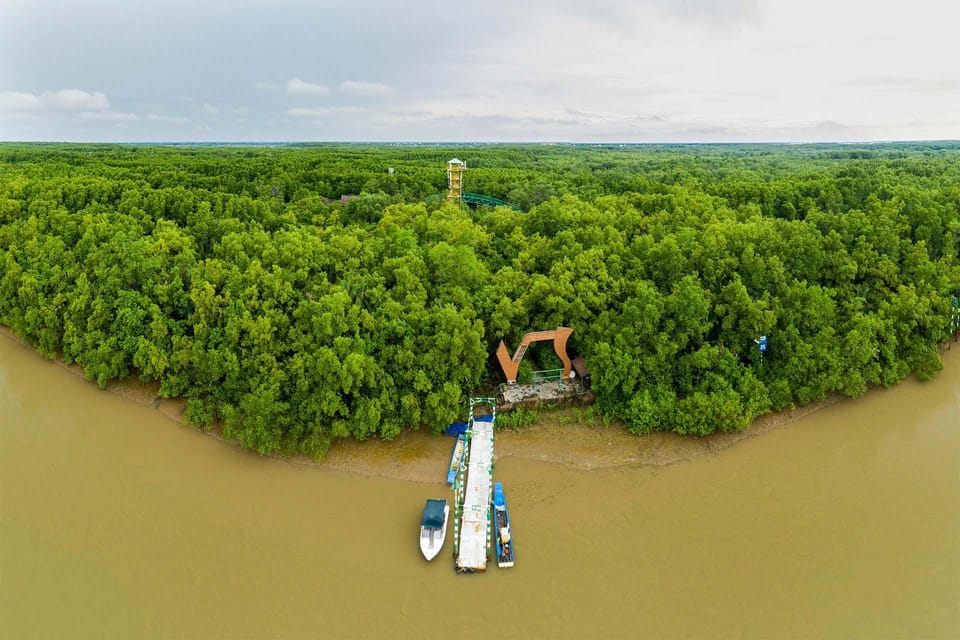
(235, 278)
(198, 413)
(525, 371)
(517, 419)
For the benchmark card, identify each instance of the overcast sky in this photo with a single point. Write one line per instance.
(487, 70)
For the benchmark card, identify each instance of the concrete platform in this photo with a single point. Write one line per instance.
(515, 396)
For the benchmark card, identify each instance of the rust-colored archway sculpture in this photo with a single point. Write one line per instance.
(511, 365)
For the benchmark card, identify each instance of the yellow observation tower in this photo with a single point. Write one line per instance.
(455, 169)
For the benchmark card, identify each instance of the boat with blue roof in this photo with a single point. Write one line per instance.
(501, 519)
(433, 527)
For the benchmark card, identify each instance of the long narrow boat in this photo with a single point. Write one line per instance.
(501, 519)
(433, 527)
(457, 458)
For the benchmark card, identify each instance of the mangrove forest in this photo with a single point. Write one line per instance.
(297, 294)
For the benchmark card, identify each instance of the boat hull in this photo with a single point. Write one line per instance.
(501, 526)
(456, 459)
(432, 539)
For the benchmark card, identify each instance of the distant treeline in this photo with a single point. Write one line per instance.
(234, 277)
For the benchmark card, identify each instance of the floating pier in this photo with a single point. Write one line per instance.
(473, 491)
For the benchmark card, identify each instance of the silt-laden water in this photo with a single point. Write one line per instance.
(116, 522)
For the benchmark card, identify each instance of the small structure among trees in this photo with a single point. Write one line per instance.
(551, 385)
(455, 169)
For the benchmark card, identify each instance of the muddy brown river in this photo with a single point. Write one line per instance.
(117, 522)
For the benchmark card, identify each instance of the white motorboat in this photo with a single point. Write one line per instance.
(433, 527)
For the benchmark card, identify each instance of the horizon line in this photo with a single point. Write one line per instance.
(487, 142)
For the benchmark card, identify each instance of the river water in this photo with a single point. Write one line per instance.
(116, 522)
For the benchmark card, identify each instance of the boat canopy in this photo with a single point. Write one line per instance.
(498, 499)
(433, 514)
(456, 429)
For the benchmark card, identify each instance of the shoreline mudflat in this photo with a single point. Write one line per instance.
(419, 456)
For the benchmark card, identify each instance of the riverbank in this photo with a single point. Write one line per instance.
(557, 437)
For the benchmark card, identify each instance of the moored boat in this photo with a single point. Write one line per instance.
(501, 519)
(456, 460)
(433, 527)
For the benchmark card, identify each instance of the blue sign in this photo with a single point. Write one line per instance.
(762, 343)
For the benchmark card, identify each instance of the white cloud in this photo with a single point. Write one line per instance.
(209, 108)
(298, 87)
(323, 112)
(62, 100)
(109, 116)
(18, 102)
(76, 100)
(602, 70)
(912, 85)
(366, 89)
(167, 119)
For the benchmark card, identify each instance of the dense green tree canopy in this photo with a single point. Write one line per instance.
(235, 277)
